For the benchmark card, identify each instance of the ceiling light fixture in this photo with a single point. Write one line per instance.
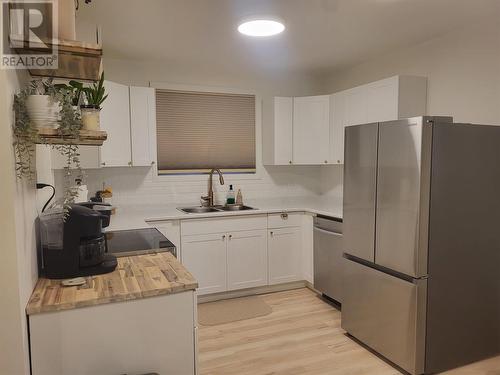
(261, 27)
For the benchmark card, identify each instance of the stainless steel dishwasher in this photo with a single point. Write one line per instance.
(328, 252)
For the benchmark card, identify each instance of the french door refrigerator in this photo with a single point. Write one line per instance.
(422, 241)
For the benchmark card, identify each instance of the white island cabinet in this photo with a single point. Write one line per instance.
(139, 319)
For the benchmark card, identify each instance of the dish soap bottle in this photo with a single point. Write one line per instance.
(230, 195)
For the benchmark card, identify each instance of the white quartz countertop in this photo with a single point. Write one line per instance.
(141, 216)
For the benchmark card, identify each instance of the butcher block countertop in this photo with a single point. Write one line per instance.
(135, 277)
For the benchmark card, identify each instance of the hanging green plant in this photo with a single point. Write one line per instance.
(42, 100)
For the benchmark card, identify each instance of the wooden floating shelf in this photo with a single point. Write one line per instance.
(76, 60)
(87, 137)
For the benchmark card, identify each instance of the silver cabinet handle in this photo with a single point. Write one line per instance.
(284, 216)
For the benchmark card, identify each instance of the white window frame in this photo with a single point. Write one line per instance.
(196, 177)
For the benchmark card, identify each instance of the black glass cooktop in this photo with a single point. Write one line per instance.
(138, 241)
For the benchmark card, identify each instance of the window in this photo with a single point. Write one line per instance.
(197, 131)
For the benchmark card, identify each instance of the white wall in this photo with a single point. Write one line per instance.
(138, 185)
(18, 271)
(463, 71)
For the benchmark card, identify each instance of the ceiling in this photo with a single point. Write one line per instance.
(320, 36)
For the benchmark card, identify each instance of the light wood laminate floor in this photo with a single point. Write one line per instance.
(301, 336)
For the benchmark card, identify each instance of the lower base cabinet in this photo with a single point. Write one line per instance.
(246, 259)
(226, 261)
(204, 255)
(284, 253)
(243, 253)
(133, 337)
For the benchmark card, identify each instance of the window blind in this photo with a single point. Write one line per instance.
(197, 131)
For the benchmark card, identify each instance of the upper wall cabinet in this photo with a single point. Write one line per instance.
(115, 119)
(388, 99)
(300, 131)
(143, 126)
(129, 117)
(310, 130)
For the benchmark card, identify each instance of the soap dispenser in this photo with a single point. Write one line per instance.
(230, 195)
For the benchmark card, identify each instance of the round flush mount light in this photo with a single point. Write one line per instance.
(260, 27)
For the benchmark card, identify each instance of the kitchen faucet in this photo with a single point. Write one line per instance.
(209, 199)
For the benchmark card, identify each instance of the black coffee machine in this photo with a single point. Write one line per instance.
(75, 246)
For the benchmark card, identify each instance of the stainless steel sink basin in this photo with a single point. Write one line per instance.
(198, 210)
(236, 208)
(203, 210)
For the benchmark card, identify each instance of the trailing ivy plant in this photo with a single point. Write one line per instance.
(26, 134)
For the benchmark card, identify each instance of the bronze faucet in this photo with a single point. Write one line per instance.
(209, 199)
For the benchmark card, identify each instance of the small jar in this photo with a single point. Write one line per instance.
(90, 117)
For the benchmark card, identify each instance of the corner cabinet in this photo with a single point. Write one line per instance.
(389, 99)
(129, 117)
(310, 130)
(300, 131)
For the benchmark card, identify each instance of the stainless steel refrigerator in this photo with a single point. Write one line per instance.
(422, 241)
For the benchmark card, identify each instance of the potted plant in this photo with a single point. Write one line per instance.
(42, 105)
(26, 134)
(95, 96)
(75, 89)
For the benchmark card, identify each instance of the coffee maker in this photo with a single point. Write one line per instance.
(73, 243)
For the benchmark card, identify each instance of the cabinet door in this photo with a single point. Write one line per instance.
(115, 120)
(337, 127)
(311, 130)
(382, 100)
(143, 126)
(89, 158)
(246, 259)
(284, 254)
(205, 257)
(355, 107)
(283, 125)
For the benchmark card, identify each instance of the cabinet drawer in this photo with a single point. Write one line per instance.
(223, 225)
(285, 219)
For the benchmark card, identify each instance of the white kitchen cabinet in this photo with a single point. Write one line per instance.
(128, 115)
(311, 130)
(89, 158)
(132, 337)
(277, 137)
(225, 253)
(299, 133)
(246, 259)
(284, 255)
(143, 126)
(115, 120)
(204, 256)
(388, 99)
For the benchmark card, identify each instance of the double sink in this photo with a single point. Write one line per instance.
(202, 209)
